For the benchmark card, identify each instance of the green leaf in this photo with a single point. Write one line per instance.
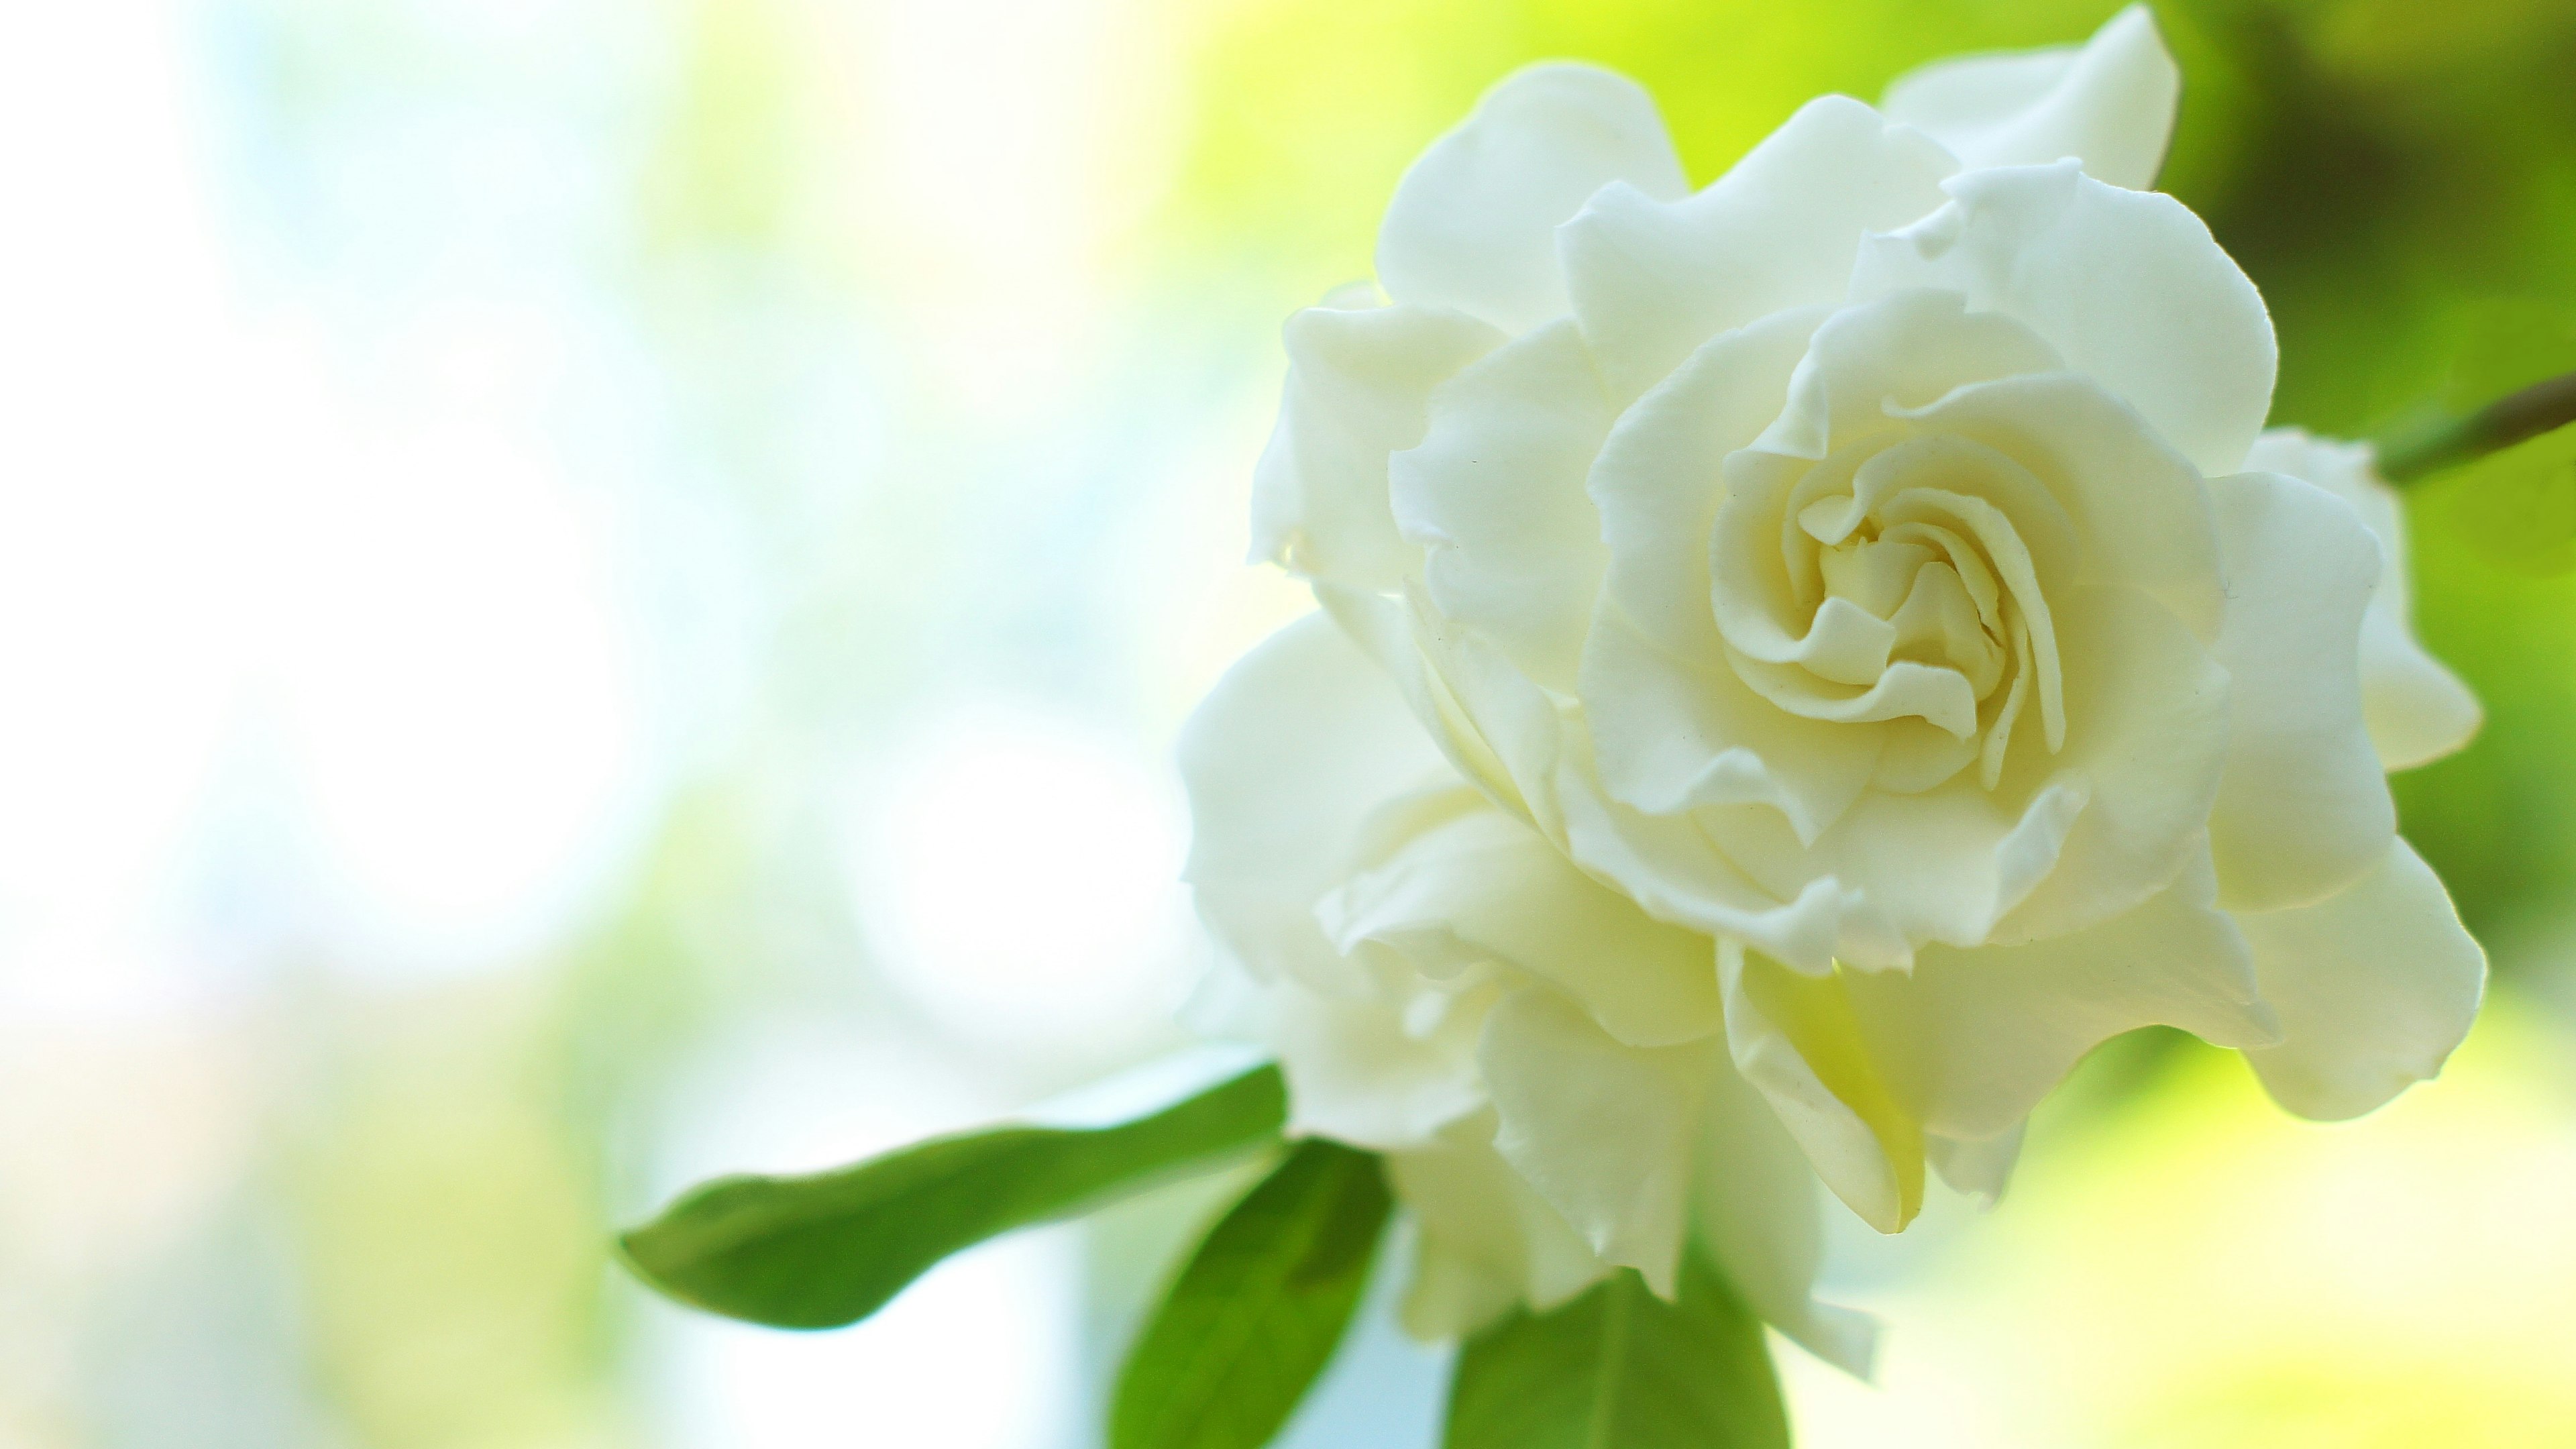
(2517, 508)
(828, 1250)
(1619, 1368)
(1259, 1310)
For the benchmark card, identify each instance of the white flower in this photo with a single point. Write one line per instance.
(1835, 633)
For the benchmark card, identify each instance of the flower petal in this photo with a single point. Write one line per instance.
(1795, 1039)
(2128, 285)
(1473, 223)
(1753, 1202)
(1972, 1040)
(2375, 986)
(1495, 491)
(1670, 735)
(1359, 384)
(2417, 710)
(2108, 103)
(1488, 1240)
(1357, 1075)
(2140, 514)
(1604, 1132)
(1656, 480)
(1490, 888)
(1653, 278)
(1285, 759)
(2303, 808)
(2149, 717)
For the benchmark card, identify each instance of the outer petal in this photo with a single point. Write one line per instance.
(1495, 491)
(1284, 760)
(2128, 285)
(1359, 381)
(1972, 1040)
(1360, 1072)
(2303, 808)
(2417, 710)
(1754, 1205)
(1604, 1132)
(1488, 1240)
(1795, 1039)
(1472, 225)
(1485, 886)
(2109, 104)
(1650, 280)
(2375, 986)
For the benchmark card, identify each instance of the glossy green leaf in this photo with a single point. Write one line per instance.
(1619, 1368)
(827, 1250)
(1257, 1313)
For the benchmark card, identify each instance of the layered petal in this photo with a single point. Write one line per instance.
(1495, 493)
(2374, 987)
(1657, 481)
(1283, 761)
(1652, 278)
(1359, 383)
(1484, 886)
(1604, 1132)
(2108, 103)
(1754, 1205)
(2303, 808)
(1488, 1240)
(1972, 1040)
(1377, 1073)
(2417, 710)
(2127, 286)
(1796, 1040)
(1472, 224)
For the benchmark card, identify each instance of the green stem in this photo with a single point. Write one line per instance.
(2425, 446)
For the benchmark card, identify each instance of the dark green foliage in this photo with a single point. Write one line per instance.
(1619, 1368)
(828, 1250)
(1256, 1314)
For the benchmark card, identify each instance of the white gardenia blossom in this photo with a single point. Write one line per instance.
(1802, 661)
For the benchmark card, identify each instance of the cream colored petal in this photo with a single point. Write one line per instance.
(1972, 1040)
(1653, 278)
(1495, 493)
(1497, 728)
(1485, 886)
(1755, 1209)
(1981, 1168)
(2148, 729)
(2108, 103)
(1488, 1241)
(2127, 285)
(1672, 867)
(1669, 735)
(1900, 349)
(2375, 986)
(2140, 514)
(1357, 1074)
(2303, 809)
(1283, 761)
(1657, 482)
(1795, 1039)
(1604, 1132)
(1359, 381)
(1473, 223)
(2417, 710)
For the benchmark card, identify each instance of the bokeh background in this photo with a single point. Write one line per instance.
(597, 591)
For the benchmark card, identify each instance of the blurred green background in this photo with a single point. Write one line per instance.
(598, 592)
